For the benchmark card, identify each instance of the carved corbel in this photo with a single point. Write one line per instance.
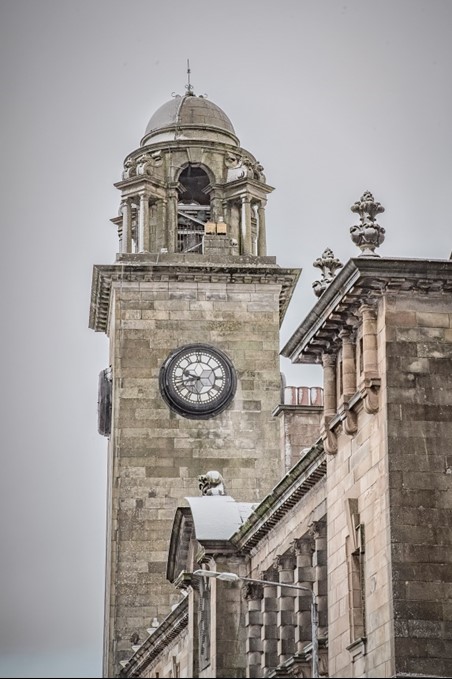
(329, 438)
(349, 419)
(369, 388)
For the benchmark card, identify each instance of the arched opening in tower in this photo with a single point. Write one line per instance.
(193, 209)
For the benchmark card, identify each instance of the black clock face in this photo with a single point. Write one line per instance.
(198, 381)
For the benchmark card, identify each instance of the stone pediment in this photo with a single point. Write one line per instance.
(210, 521)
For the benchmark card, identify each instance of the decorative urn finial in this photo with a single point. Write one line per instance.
(328, 264)
(368, 234)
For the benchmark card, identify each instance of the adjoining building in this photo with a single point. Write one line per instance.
(331, 508)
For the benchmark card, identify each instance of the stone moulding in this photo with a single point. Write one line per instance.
(304, 475)
(362, 280)
(104, 277)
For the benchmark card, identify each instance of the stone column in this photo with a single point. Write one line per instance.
(318, 532)
(246, 248)
(369, 383)
(161, 232)
(262, 235)
(143, 223)
(286, 612)
(304, 574)
(269, 658)
(348, 365)
(329, 386)
(126, 241)
(370, 359)
(348, 417)
(253, 594)
(119, 225)
(171, 217)
(194, 613)
(215, 207)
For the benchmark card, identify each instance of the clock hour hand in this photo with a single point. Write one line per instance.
(186, 377)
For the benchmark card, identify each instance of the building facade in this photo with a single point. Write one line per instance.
(329, 511)
(192, 307)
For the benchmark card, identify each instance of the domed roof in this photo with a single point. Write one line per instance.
(189, 112)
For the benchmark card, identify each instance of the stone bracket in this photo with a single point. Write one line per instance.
(329, 438)
(368, 389)
(358, 648)
(348, 418)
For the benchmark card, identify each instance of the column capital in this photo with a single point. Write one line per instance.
(253, 591)
(317, 529)
(328, 360)
(346, 334)
(284, 562)
(368, 310)
(303, 546)
(270, 574)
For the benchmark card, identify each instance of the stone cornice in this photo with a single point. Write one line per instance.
(362, 280)
(173, 268)
(241, 186)
(167, 631)
(288, 408)
(294, 485)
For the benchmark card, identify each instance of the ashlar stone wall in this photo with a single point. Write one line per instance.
(419, 384)
(359, 594)
(157, 455)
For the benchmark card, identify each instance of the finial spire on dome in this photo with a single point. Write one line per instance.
(189, 86)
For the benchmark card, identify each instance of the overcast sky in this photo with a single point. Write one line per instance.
(333, 98)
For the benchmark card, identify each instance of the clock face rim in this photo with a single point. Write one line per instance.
(197, 410)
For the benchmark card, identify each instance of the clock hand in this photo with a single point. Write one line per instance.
(187, 377)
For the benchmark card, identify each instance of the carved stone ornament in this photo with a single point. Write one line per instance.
(129, 168)
(328, 265)
(212, 483)
(147, 161)
(369, 389)
(368, 234)
(349, 419)
(253, 591)
(329, 439)
(240, 167)
(141, 165)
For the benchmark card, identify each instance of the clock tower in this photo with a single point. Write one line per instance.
(192, 307)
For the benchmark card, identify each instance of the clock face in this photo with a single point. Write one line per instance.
(198, 381)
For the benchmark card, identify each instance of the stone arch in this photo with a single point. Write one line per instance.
(195, 177)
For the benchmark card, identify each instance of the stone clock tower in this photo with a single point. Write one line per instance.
(192, 308)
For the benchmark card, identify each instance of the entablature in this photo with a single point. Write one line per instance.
(306, 474)
(262, 270)
(362, 281)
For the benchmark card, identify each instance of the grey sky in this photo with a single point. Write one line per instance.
(332, 97)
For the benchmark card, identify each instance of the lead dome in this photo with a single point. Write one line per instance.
(191, 117)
